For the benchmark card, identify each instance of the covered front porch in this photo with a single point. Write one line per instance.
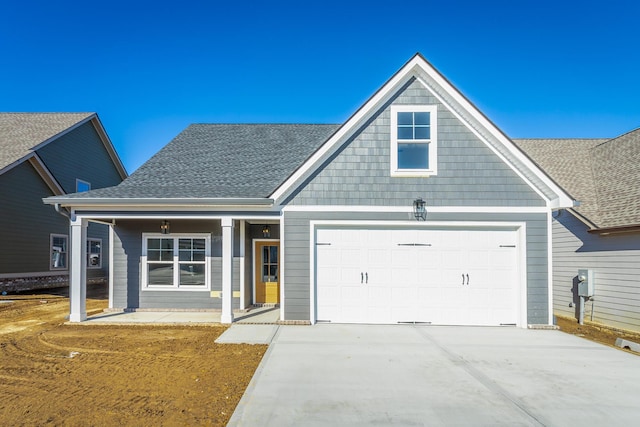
(193, 267)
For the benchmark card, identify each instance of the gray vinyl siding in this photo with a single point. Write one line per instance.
(127, 290)
(615, 260)
(469, 173)
(80, 154)
(27, 223)
(297, 255)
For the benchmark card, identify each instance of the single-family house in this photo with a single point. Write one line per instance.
(602, 234)
(416, 209)
(42, 155)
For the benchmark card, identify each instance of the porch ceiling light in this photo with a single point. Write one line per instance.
(164, 227)
(266, 231)
(420, 209)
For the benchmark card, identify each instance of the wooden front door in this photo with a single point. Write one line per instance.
(267, 272)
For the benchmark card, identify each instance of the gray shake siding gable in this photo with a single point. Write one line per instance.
(469, 173)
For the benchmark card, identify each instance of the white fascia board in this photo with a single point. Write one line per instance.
(564, 200)
(409, 209)
(64, 132)
(105, 216)
(115, 158)
(45, 174)
(412, 69)
(360, 116)
(122, 203)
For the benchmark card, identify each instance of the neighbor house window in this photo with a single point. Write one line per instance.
(176, 262)
(414, 144)
(94, 253)
(82, 186)
(58, 250)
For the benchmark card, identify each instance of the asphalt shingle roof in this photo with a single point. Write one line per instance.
(21, 132)
(603, 174)
(222, 161)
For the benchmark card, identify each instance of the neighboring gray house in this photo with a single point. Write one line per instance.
(603, 233)
(326, 220)
(42, 155)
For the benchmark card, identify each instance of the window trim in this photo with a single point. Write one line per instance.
(99, 265)
(432, 142)
(51, 266)
(176, 263)
(81, 181)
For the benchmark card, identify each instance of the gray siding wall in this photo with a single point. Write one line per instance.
(80, 154)
(469, 173)
(297, 256)
(27, 224)
(127, 291)
(615, 260)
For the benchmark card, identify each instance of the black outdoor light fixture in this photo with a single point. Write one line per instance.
(164, 227)
(266, 231)
(420, 209)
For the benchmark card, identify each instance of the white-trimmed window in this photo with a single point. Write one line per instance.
(176, 261)
(414, 142)
(58, 245)
(82, 186)
(94, 253)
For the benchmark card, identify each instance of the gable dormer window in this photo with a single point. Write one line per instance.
(414, 140)
(82, 186)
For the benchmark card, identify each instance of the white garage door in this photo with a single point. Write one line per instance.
(442, 277)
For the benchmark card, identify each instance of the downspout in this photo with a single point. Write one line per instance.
(62, 211)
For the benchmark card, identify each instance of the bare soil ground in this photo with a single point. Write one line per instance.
(596, 332)
(90, 375)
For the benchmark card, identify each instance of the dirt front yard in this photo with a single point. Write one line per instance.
(57, 374)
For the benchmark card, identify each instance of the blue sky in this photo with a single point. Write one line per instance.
(150, 68)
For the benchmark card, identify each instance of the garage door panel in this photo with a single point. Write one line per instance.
(448, 277)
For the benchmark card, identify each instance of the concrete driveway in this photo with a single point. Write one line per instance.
(350, 375)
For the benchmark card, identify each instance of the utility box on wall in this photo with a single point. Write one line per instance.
(585, 283)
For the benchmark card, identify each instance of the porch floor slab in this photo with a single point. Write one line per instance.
(256, 316)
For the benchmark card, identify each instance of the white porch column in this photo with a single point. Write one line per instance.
(227, 270)
(78, 269)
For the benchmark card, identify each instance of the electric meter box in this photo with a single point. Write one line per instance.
(585, 283)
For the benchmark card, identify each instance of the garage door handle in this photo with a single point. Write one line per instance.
(462, 279)
(467, 279)
(366, 277)
(361, 277)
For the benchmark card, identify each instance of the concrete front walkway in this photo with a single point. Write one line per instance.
(361, 375)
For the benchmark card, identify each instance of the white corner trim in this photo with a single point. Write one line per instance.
(313, 294)
(282, 268)
(550, 264)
